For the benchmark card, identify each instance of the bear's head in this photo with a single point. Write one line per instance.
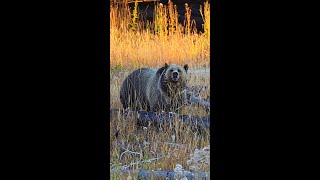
(173, 77)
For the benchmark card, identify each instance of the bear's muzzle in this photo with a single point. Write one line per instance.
(175, 76)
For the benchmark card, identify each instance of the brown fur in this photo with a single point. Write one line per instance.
(155, 90)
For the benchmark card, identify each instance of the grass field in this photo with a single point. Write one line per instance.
(133, 46)
(136, 43)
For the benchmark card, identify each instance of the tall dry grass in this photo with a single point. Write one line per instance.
(173, 144)
(135, 43)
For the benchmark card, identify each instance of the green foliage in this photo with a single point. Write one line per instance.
(134, 17)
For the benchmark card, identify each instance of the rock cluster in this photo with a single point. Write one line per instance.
(200, 159)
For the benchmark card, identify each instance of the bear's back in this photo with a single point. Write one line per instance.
(133, 90)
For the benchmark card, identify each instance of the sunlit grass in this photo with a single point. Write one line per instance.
(141, 43)
(135, 44)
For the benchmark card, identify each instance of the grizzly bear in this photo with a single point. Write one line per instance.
(155, 90)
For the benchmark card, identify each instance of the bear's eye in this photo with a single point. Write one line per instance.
(171, 70)
(179, 70)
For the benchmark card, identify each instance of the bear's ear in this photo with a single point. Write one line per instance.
(186, 67)
(162, 68)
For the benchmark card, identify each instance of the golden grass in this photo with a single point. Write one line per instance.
(162, 40)
(135, 44)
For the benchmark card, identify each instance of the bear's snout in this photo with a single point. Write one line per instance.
(175, 74)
